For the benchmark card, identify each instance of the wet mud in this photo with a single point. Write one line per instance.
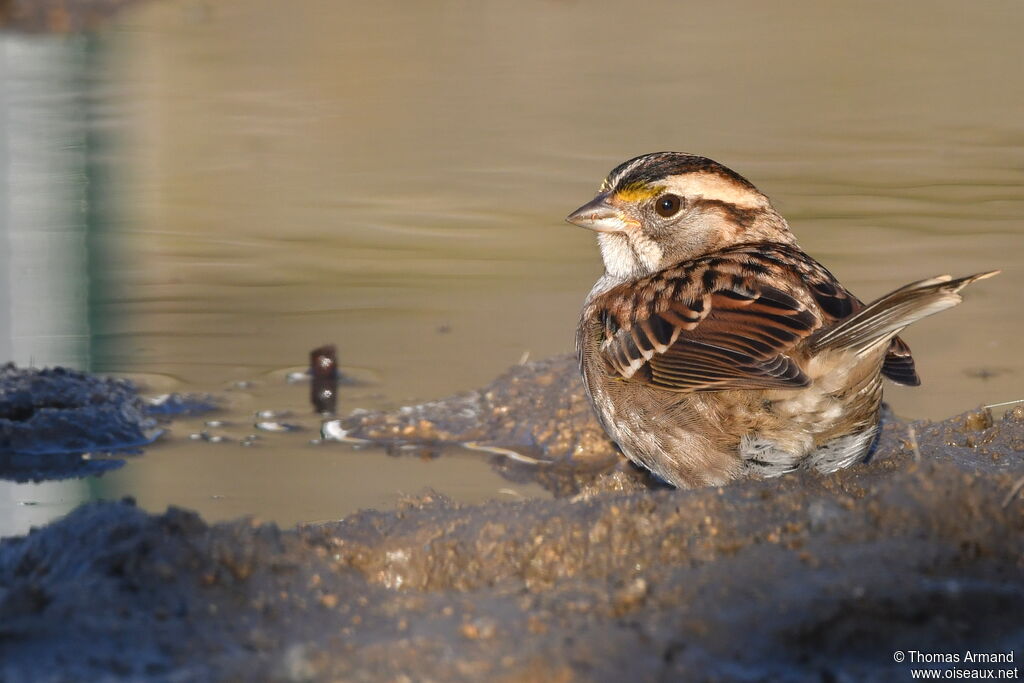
(534, 420)
(802, 578)
(57, 423)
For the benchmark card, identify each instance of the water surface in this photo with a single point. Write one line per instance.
(202, 192)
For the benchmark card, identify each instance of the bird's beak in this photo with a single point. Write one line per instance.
(600, 216)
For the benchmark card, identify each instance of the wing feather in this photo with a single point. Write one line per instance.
(712, 327)
(736, 320)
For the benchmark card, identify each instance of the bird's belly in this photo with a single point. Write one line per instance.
(709, 438)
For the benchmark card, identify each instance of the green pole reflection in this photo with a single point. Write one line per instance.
(45, 198)
(44, 260)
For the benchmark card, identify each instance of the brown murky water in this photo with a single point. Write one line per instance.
(202, 192)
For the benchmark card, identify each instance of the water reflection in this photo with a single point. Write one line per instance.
(44, 258)
(259, 179)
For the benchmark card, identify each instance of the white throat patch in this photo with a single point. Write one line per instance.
(626, 257)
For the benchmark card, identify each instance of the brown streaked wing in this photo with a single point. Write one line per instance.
(736, 336)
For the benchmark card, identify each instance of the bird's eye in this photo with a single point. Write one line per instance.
(667, 205)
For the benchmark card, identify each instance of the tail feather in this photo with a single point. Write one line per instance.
(899, 364)
(886, 317)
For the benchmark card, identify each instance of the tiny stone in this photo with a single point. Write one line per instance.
(979, 421)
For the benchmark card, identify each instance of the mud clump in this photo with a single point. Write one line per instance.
(800, 578)
(535, 410)
(50, 418)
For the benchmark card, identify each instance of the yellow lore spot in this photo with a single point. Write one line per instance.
(637, 193)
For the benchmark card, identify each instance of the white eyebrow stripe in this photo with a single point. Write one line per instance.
(715, 187)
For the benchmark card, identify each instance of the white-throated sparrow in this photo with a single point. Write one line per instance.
(713, 345)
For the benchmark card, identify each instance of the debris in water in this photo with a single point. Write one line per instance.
(271, 426)
(323, 365)
(181, 405)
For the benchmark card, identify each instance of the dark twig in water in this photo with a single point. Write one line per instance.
(323, 366)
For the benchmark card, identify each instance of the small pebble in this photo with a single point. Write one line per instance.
(630, 596)
(979, 421)
(479, 629)
(271, 426)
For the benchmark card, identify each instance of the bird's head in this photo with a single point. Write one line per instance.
(660, 209)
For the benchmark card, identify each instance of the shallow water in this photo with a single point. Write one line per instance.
(201, 193)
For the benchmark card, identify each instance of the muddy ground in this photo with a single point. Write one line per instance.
(53, 420)
(801, 578)
(535, 413)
